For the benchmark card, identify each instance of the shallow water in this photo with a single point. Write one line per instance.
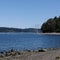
(21, 41)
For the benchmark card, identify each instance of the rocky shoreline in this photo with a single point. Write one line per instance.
(30, 54)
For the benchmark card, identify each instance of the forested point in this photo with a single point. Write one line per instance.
(51, 25)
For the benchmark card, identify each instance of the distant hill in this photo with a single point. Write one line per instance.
(51, 25)
(6, 29)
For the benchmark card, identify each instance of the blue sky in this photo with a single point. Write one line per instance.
(27, 13)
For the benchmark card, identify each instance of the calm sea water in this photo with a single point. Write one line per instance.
(28, 41)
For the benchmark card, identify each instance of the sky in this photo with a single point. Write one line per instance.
(27, 13)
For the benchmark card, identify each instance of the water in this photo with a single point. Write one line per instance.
(21, 41)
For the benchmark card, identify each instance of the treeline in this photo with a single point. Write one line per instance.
(51, 25)
(6, 29)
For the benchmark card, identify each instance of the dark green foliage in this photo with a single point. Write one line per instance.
(52, 25)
